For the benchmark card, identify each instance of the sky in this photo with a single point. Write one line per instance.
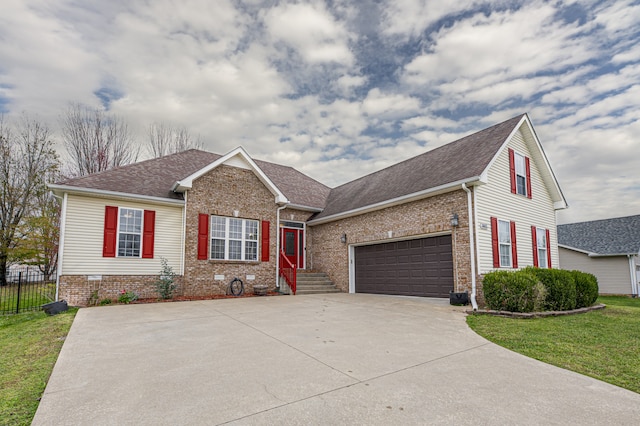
(339, 89)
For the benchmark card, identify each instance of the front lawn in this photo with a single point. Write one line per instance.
(30, 345)
(603, 344)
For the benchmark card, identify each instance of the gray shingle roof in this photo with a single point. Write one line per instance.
(620, 235)
(465, 158)
(156, 177)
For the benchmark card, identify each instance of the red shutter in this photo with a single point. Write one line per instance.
(548, 251)
(148, 234)
(514, 249)
(534, 242)
(512, 171)
(265, 241)
(494, 242)
(203, 236)
(110, 231)
(528, 167)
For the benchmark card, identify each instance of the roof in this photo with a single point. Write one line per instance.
(156, 177)
(617, 236)
(459, 161)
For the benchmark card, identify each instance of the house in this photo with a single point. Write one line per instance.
(427, 226)
(607, 248)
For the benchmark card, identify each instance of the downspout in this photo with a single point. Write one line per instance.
(474, 303)
(63, 217)
(184, 235)
(278, 245)
(632, 274)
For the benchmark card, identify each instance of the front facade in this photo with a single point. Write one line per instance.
(424, 227)
(608, 249)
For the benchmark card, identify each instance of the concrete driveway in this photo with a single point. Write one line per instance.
(322, 359)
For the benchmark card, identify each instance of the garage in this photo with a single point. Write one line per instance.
(419, 267)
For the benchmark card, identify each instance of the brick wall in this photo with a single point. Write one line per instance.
(428, 216)
(222, 192)
(77, 290)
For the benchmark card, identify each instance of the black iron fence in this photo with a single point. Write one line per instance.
(25, 290)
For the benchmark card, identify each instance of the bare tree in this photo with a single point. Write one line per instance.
(95, 140)
(27, 157)
(165, 139)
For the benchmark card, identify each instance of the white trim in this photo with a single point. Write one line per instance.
(500, 243)
(304, 239)
(441, 189)
(186, 183)
(139, 256)
(64, 189)
(592, 254)
(471, 212)
(63, 221)
(305, 208)
(227, 238)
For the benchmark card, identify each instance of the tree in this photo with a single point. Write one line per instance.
(27, 157)
(165, 139)
(95, 140)
(41, 231)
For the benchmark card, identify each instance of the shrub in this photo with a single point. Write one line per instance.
(560, 286)
(127, 297)
(586, 288)
(106, 301)
(165, 284)
(517, 291)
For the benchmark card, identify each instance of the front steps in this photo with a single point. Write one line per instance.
(314, 283)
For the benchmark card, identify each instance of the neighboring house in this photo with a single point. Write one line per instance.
(427, 226)
(607, 248)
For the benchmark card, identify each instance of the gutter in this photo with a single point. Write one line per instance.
(113, 194)
(474, 303)
(395, 201)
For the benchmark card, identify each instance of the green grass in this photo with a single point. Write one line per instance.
(30, 343)
(602, 344)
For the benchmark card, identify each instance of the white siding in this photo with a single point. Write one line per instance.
(612, 272)
(494, 199)
(84, 233)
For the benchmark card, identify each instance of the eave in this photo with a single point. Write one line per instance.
(59, 190)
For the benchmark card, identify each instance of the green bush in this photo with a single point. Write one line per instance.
(127, 297)
(560, 285)
(586, 288)
(165, 284)
(518, 291)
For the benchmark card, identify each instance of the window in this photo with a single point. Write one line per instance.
(503, 237)
(520, 171)
(234, 239)
(521, 175)
(129, 232)
(541, 247)
(504, 243)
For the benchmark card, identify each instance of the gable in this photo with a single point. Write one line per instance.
(523, 140)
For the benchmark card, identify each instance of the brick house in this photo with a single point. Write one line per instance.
(424, 227)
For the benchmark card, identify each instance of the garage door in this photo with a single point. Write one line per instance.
(422, 267)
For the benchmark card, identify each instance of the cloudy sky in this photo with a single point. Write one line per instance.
(339, 89)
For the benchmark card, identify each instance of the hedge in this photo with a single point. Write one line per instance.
(535, 289)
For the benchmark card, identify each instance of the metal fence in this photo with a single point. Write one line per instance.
(25, 290)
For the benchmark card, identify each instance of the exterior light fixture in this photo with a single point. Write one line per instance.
(454, 220)
(343, 238)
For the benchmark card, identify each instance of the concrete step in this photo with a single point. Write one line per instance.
(314, 283)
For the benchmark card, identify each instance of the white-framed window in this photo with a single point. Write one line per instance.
(129, 232)
(234, 239)
(541, 245)
(504, 243)
(521, 174)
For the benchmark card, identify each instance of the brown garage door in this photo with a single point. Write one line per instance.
(422, 267)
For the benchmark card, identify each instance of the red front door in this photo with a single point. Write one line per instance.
(293, 246)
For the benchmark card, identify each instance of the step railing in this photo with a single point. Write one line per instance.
(288, 271)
